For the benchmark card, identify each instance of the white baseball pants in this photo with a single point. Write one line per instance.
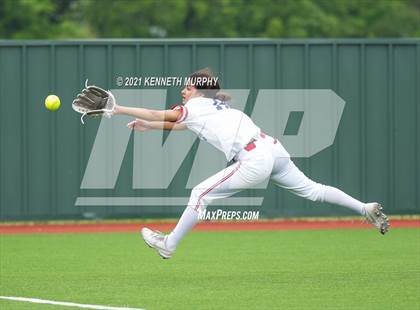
(268, 159)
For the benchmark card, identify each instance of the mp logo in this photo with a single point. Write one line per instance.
(304, 120)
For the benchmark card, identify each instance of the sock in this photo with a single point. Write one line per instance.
(187, 221)
(338, 197)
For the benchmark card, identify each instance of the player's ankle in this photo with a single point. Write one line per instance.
(169, 243)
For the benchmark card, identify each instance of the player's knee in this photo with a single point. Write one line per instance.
(316, 192)
(195, 193)
(198, 199)
(194, 196)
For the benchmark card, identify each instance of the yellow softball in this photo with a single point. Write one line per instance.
(52, 103)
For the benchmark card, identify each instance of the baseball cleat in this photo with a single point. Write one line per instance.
(375, 216)
(157, 240)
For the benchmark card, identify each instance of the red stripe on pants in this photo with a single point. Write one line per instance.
(213, 186)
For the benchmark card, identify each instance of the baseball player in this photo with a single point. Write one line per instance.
(255, 155)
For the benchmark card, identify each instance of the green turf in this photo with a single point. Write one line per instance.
(340, 269)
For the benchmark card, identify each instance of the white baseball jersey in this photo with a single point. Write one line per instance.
(227, 129)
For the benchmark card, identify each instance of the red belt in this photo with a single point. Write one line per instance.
(251, 145)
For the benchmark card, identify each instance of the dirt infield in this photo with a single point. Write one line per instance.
(203, 226)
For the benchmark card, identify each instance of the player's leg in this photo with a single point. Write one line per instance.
(220, 183)
(287, 175)
(223, 184)
(292, 179)
(251, 169)
(241, 175)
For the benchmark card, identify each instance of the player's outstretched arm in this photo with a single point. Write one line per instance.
(147, 114)
(142, 125)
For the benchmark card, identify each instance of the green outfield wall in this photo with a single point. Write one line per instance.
(43, 155)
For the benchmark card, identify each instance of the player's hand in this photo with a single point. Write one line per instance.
(139, 125)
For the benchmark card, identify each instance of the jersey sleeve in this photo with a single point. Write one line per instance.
(184, 112)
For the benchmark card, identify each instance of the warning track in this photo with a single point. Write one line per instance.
(99, 227)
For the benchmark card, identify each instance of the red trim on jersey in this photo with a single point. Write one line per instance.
(184, 112)
(216, 184)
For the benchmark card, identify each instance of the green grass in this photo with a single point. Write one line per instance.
(340, 269)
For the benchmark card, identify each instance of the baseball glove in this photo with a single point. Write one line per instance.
(94, 101)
